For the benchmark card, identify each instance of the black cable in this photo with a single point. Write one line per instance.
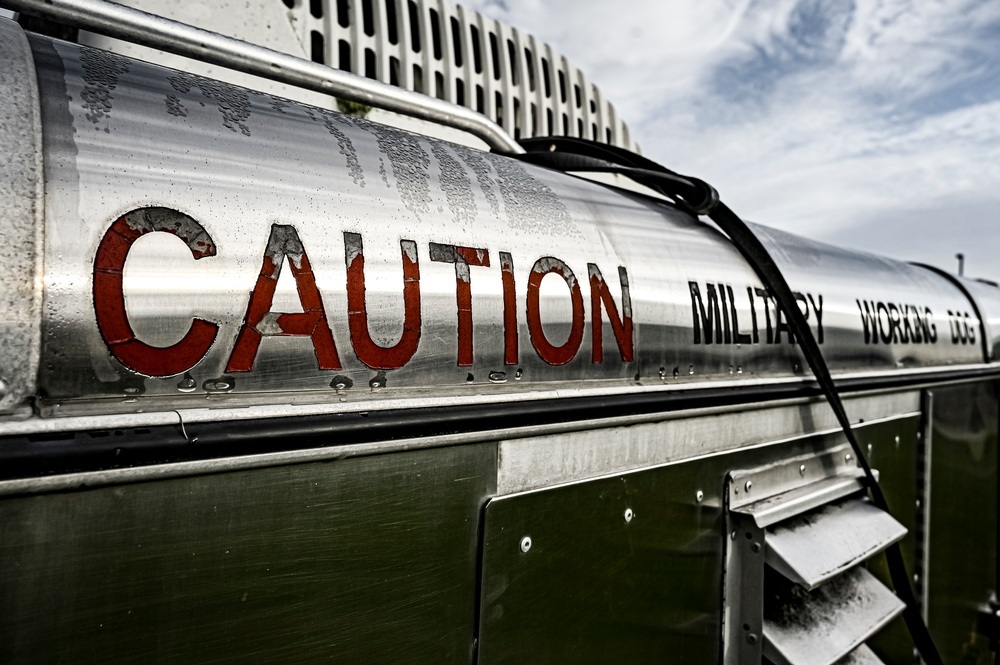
(700, 198)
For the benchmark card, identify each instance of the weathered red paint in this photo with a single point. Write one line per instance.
(621, 326)
(367, 351)
(109, 297)
(462, 257)
(510, 351)
(554, 355)
(284, 243)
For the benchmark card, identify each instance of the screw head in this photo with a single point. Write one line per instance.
(802, 469)
(748, 486)
(629, 515)
(526, 543)
(752, 638)
(755, 547)
(848, 457)
(699, 496)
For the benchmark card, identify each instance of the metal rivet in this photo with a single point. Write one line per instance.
(897, 439)
(526, 543)
(847, 457)
(699, 496)
(629, 514)
(748, 486)
(755, 547)
(802, 469)
(752, 638)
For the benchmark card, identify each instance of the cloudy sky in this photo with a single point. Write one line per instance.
(872, 124)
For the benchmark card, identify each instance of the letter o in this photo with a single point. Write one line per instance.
(554, 355)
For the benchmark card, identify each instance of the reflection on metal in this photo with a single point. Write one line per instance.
(810, 549)
(822, 626)
(137, 26)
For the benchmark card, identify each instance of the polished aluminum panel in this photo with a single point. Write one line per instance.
(20, 221)
(335, 260)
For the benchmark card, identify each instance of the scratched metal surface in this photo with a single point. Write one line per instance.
(20, 220)
(354, 561)
(121, 135)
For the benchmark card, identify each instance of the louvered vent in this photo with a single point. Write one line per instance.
(444, 50)
(797, 590)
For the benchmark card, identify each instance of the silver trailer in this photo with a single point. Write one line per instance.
(285, 385)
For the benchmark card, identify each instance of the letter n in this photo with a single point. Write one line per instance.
(260, 321)
(621, 326)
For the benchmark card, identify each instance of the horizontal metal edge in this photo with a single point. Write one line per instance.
(741, 392)
(781, 507)
(112, 476)
(516, 482)
(181, 439)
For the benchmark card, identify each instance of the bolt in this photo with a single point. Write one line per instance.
(748, 486)
(699, 496)
(752, 638)
(526, 543)
(802, 469)
(629, 515)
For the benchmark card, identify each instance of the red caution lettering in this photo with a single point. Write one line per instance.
(510, 353)
(109, 297)
(554, 355)
(462, 257)
(259, 322)
(368, 352)
(621, 326)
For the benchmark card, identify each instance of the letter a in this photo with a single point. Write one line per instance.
(261, 322)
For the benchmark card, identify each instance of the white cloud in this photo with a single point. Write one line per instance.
(871, 123)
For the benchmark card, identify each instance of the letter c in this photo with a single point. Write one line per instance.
(109, 298)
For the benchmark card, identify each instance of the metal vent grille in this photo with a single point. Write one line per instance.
(446, 51)
(796, 585)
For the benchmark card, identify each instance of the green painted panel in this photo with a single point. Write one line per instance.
(963, 513)
(594, 588)
(360, 560)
